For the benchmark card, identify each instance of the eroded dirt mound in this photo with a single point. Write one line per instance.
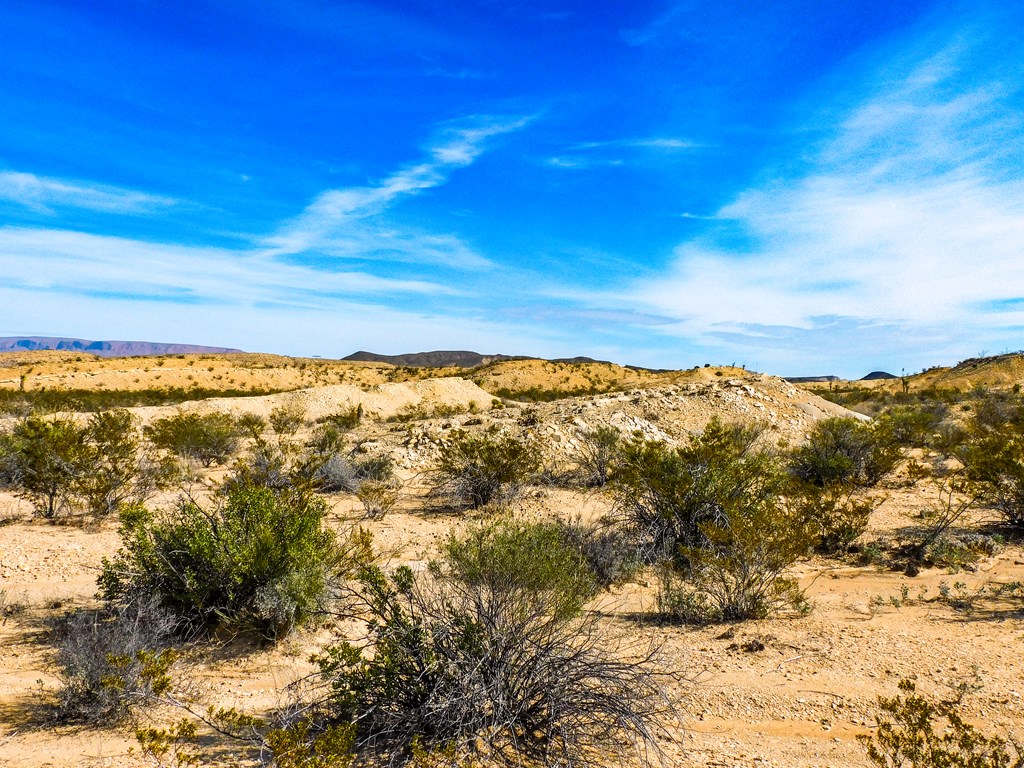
(378, 401)
(670, 413)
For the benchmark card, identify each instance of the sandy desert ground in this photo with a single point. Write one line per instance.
(787, 692)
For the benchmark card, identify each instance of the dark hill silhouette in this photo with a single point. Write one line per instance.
(450, 359)
(875, 375)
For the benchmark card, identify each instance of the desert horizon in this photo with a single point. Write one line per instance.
(533, 384)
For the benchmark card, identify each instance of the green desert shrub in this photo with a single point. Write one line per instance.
(713, 517)
(287, 419)
(118, 469)
(251, 425)
(327, 439)
(209, 438)
(665, 494)
(346, 419)
(258, 560)
(993, 410)
(10, 471)
(735, 569)
(474, 470)
(916, 732)
(46, 458)
(512, 556)
(834, 517)
(912, 425)
(844, 451)
(62, 467)
(993, 459)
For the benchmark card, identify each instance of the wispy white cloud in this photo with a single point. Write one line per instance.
(653, 143)
(43, 194)
(911, 215)
(616, 152)
(288, 274)
(351, 222)
(580, 163)
(699, 217)
(66, 262)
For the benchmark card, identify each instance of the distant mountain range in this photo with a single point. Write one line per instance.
(823, 379)
(809, 379)
(104, 348)
(450, 359)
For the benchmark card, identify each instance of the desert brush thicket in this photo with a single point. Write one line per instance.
(711, 516)
(256, 559)
(66, 468)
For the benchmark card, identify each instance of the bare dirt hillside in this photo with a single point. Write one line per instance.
(378, 401)
(56, 370)
(995, 372)
(231, 372)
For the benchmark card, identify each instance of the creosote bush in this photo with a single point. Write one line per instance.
(474, 470)
(288, 419)
(914, 732)
(993, 459)
(118, 469)
(597, 452)
(666, 493)
(345, 419)
(913, 425)
(259, 560)
(512, 556)
(47, 456)
(64, 468)
(712, 514)
(737, 570)
(845, 451)
(207, 438)
(833, 516)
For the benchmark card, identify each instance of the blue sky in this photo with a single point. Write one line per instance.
(797, 186)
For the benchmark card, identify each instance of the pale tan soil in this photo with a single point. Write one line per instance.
(799, 702)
